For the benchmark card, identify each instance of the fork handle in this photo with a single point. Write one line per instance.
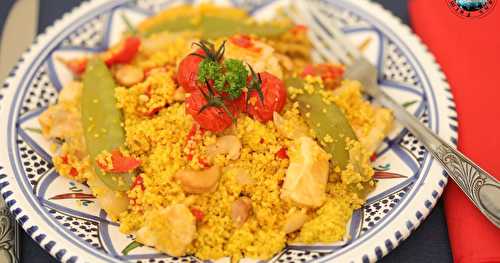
(480, 187)
(9, 238)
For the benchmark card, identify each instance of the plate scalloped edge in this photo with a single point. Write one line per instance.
(60, 251)
(50, 241)
(438, 79)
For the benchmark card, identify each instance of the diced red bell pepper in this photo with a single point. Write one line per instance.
(138, 182)
(191, 132)
(153, 112)
(121, 164)
(244, 41)
(329, 73)
(203, 162)
(148, 92)
(299, 29)
(282, 153)
(125, 53)
(73, 172)
(373, 157)
(309, 70)
(189, 137)
(64, 159)
(77, 66)
(198, 214)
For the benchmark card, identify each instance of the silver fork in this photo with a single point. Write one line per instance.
(331, 45)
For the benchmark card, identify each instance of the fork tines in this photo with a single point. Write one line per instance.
(330, 43)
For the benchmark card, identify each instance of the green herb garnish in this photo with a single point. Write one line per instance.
(210, 70)
(235, 78)
(209, 50)
(224, 78)
(229, 77)
(255, 84)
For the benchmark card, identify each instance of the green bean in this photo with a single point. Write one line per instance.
(212, 27)
(327, 121)
(102, 120)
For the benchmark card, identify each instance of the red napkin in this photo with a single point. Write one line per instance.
(468, 49)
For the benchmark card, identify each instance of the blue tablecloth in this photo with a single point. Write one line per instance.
(429, 243)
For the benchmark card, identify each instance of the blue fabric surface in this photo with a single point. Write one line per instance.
(429, 243)
(5, 6)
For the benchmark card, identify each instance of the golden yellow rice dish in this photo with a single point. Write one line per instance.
(203, 132)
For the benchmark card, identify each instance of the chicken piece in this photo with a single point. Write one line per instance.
(287, 128)
(261, 57)
(307, 174)
(63, 120)
(59, 121)
(228, 144)
(243, 177)
(383, 121)
(169, 229)
(113, 202)
(71, 94)
(294, 221)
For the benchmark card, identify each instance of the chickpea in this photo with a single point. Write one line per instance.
(228, 144)
(240, 210)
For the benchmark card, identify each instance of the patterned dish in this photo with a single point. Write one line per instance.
(64, 218)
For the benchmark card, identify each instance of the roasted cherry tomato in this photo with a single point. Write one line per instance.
(187, 74)
(214, 119)
(330, 74)
(274, 92)
(123, 53)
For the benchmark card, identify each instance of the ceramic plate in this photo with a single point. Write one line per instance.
(65, 220)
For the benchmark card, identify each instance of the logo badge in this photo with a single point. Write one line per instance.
(471, 8)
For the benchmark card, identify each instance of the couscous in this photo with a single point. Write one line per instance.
(229, 146)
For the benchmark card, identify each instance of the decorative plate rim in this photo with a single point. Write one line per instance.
(371, 252)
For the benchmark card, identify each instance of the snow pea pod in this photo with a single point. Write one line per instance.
(328, 122)
(102, 121)
(212, 27)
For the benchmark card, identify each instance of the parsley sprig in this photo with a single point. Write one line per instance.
(229, 76)
(234, 79)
